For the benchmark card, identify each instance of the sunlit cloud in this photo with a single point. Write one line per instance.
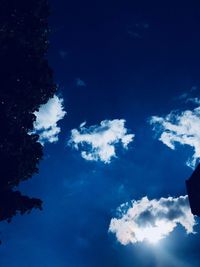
(180, 128)
(47, 118)
(151, 220)
(98, 142)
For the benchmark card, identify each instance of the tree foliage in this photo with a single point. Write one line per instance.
(26, 83)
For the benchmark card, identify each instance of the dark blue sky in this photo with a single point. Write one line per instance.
(136, 59)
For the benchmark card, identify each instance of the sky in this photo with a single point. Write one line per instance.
(120, 138)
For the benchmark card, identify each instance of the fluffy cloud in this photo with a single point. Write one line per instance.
(47, 118)
(151, 220)
(180, 127)
(98, 142)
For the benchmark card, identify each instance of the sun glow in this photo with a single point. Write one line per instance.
(153, 234)
(151, 220)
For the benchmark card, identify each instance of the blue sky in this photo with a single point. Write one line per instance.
(112, 61)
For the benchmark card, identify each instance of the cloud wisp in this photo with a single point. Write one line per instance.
(98, 142)
(47, 118)
(80, 83)
(151, 220)
(180, 127)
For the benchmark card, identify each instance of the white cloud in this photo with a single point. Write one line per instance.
(98, 142)
(151, 220)
(180, 127)
(47, 118)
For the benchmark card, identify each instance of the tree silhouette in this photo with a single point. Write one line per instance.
(26, 83)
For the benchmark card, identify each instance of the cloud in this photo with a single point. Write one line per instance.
(80, 83)
(138, 30)
(180, 127)
(151, 220)
(97, 142)
(188, 94)
(47, 118)
(194, 100)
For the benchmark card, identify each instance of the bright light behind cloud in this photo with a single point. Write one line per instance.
(151, 220)
(180, 127)
(47, 118)
(98, 142)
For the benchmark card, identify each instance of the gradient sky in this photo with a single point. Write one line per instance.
(112, 60)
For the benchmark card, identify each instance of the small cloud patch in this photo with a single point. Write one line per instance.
(47, 118)
(180, 127)
(97, 142)
(80, 83)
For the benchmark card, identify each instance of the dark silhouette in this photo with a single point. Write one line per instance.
(26, 83)
(193, 189)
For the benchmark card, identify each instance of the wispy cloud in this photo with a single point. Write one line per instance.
(47, 118)
(63, 54)
(137, 30)
(180, 127)
(194, 100)
(80, 83)
(151, 220)
(97, 142)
